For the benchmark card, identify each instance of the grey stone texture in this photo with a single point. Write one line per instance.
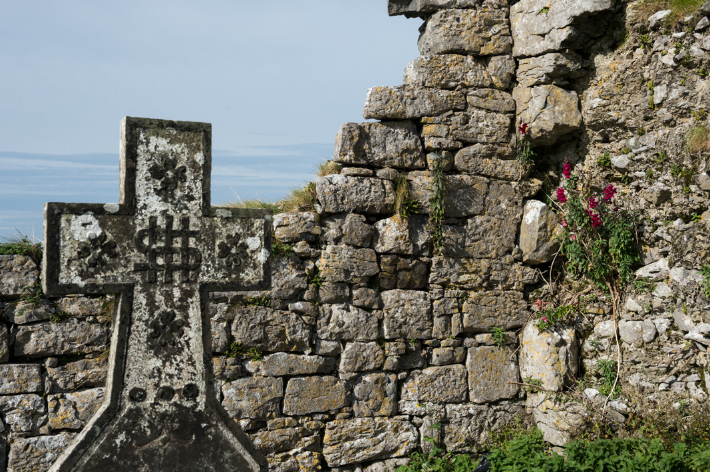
(490, 371)
(549, 111)
(425, 7)
(346, 323)
(36, 454)
(71, 411)
(296, 226)
(281, 363)
(16, 272)
(361, 357)
(339, 193)
(407, 314)
(375, 395)
(445, 384)
(253, 397)
(483, 311)
(56, 339)
(270, 330)
(472, 126)
(342, 263)
(387, 144)
(539, 233)
(20, 378)
(367, 439)
(351, 229)
(23, 413)
(551, 68)
(550, 356)
(405, 102)
(470, 424)
(79, 374)
(448, 71)
(306, 395)
(483, 32)
(23, 312)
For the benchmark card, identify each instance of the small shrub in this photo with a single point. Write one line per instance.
(328, 168)
(255, 354)
(279, 249)
(259, 301)
(234, 350)
(607, 369)
(32, 294)
(404, 205)
(21, 245)
(524, 154)
(551, 317)
(299, 199)
(698, 139)
(498, 336)
(604, 160)
(58, 316)
(313, 277)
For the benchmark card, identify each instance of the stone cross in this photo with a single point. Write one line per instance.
(162, 249)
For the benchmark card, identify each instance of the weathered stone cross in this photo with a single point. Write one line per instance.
(162, 249)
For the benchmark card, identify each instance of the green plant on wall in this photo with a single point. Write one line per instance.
(437, 206)
(404, 204)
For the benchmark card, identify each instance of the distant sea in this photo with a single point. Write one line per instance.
(27, 181)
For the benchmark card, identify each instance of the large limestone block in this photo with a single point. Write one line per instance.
(469, 273)
(407, 314)
(361, 357)
(470, 425)
(345, 322)
(288, 278)
(270, 330)
(82, 306)
(558, 421)
(388, 144)
(367, 439)
(296, 226)
(448, 71)
(253, 397)
(491, 100)
(490, 369)
(483, 311)
(79, 374)
(424, 7)
(281, 439)
(74, 410)
(472, 126)
(20, 378)
(539, 233)
(351, 229)
(483, 32)
(550, 356)
(339, 193)
(549, 111)
(36, 454)
(23, 413)
(57, 339)
(472, 160)
(464, 195)
(375, 395)
(17, 272)
(407, 236)
(341, 263)
(443, 384)
(282, 363)
(551, 68)
(23, 312)
(405, 102)
(488, 236)
(565, 24)
(306, 395)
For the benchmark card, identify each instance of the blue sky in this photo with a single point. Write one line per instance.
(276, 78)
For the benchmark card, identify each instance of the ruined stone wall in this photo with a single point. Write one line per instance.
(368, 337)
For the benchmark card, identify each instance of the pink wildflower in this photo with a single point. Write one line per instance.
(592, 204)
(596, 221)
(561, 195)
(573, 237)
(523, 128)
(567, 170)
(609, 193)
(564, 224)
(544, 318)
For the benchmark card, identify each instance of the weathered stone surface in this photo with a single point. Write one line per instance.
(26, 312)
(467, 273)
(351, 229)
(226, 368)
(473, 126)
(658, 270)
(552, 68)
(549, 111)
(270, 330)
(657, 193)
(361, 357)
(448, 355)
(539, 233)
(56, 339)
(284, 439)
(470, 424)
(366, 439)
(288, 278)
(36, 454)
(464, 195)
(23, 413)
(253, 397)
(448, 71)
(341, 263)
(80, 374)
(83, 306)
(347, 323)
(407, 314)
(491, 100)
(20, 378)
(339, 193)
(365, 297)
(17, 272)
(423, 7)
(482, 237)
(550, 356)
(405, 102)
(558, 421)
(402, 273)
(334, 293)
(392, 236)
(73, 410)
(296, 226)
(469, 160)
(445, 384)
(281, 363)
(484, 32)
(4, 344)
(490, 369)
(375, 395)
(483, 311)
(631, 331)
(305, 395)
(565, 24)
(388, 144)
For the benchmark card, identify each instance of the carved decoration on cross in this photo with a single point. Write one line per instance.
(161, 250)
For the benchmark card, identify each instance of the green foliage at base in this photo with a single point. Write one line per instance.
(21, 245)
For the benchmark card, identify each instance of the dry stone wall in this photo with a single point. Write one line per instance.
(368, 336)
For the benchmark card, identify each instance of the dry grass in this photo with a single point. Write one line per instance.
(680, 9)
(328, 168)
(698, 139)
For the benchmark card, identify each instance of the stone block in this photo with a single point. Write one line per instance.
(658, 270)
(447, 355)
(23, 413)
(334, 293)
(347, 323)
(270, 330)
(351, 229)
(448, 71)
(468, 273)
(361, 357)
(471, 160)
(82, 306)
(4, 344)
(557, 420)
(367, 439)
(425, 7)
(56, 339)
(539, 233)
(375, 395)
(20, 378)
(482, 32)
(257, 398)
(341, 263)
(657, 193)
(23, 312)
(407, 314)
(405, 102)
(339, 193)
(472, 126)
(387, 144)
(36, 454)
(483, 311)
(551, 356)
(402, 273)
(73, 410)
(279, 440)
(444, 384)
(17, 272)
(226, 368)
(282, 363)
(288, 278)
(491, 100)
(79, 374)
(549, 111)
(631, 331)
(490, 369)
(296, 226)
(551, 68)
(470, 425)
(367, 298)
(306, 395)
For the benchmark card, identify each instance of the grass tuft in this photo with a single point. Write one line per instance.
(698, 139)
(680, 9)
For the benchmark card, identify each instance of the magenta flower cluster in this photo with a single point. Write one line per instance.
(561, 195)
(567, 170)
(609, 193)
